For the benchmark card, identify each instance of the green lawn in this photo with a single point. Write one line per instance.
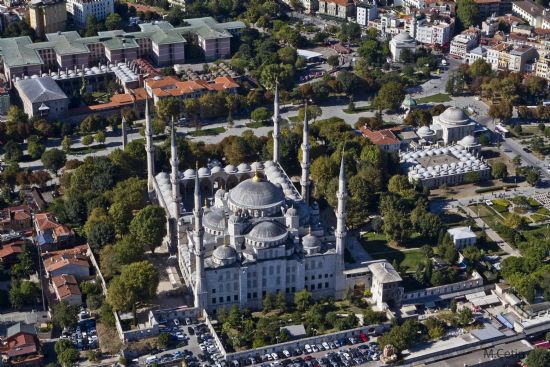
(206, 132)
(436, 98)
(359, 109)
(257, 124)
(377, 246)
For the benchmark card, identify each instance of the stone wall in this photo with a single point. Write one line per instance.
(475, 281)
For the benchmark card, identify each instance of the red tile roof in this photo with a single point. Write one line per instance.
(57, 262)
(22, 344)
(172, 86)
(47, 221)
(10, 249)
(380, 137)
(66, 286)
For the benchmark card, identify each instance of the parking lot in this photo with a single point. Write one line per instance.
(84, 335)
(197, 347)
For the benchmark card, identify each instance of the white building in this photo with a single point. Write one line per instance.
(386, 285)
(452, 125)
(535, 14)
(462, 43)
(462, 237)
(453, 165)
(433, 33)
(402, 41)
(42, 97)
(365, 12)
(82, 9)
(479, 52)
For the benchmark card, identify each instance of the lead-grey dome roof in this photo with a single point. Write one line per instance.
(454, 116)
(215, 219)
(403, 37)
(267, 231)
(256, 193)
(224, 252)
(310, 240)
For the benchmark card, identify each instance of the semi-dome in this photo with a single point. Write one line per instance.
(256, 193)
(224, 255)
(215, 219)
(266, 234)
(454, 116)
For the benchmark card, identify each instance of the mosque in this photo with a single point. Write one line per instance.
(255, 234)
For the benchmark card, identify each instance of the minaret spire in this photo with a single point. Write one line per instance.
(174, 162)
(149, 147)
(124, 133)
(341, 211)
(198, 236)
(276, 123)
(304, 180)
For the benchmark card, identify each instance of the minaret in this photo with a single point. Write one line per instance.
(174, 162)
(342, 196)
(304, 181)
(276, 124)
(124, 134)
(149, 147)
(198, 234)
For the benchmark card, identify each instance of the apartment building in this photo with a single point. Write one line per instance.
(464, 42)
(542, 66)
(337, 8)
(159, 42)
(47, 16)
(505, 56)
(496, 7)
(365, 12)
(535, 14)
(80, 10)
(432, 33)
(479, 52)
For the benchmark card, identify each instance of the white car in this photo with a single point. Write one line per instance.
(286, 353)
(307, 347)
(314, 348)
(274, 356)
(488, 203)
(325, 345)
(176, 322)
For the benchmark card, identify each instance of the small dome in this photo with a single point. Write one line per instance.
(309, 241)
(267, 231)
(243, 167)
(230, 169)
(203, 171)
(189, 173)
(220, 193)
(454, 116)
(268, 164)
(409, 102)
(425, 131)
(403, 37)
(257, 166)
(468, 141)
(224, 255)
(215, 169)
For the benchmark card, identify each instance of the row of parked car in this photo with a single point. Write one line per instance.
(84, 336)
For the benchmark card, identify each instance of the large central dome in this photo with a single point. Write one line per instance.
(454, 116)
(256, 194)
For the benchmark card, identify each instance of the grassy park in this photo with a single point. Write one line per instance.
(207, 132)
(436, 98)
(377, 246)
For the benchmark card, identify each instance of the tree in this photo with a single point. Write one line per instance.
(66, 144)
(303, 299)
(137, 282)
(268, 302)
(333, 60)
(532, 177)
(499, 170)
(480, 68)
(390, 96)
(163, 340)
(472, 253)
(61, 345)
(113, 21)
(101, 234)
(464, 316)
(280, 301)
(53, 160)
(65, 315)
(87, 140)
(514, 221)
(35, 147)
(168, 108)
(22, 293)
(68, 357)
(100, 137)
(12, 151)
(260, 114)
(538, 358)
(349, 82)
(467, 13)
(149, 226)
